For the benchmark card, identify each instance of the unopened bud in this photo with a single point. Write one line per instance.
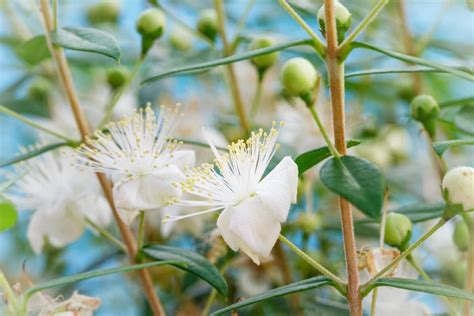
(117, 76)
(425, 109)
(458, 184)
(181, 39)
(103, 12)
(398, 229)
(39, 89)
(151, 25)
(461, 236)
(265, 61)
(308, 222)
(207, 23)
(299, 77)
(343, 20)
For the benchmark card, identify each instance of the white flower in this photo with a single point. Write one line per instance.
(254, 205)
(459, 182)
(142, 160)
(62, 198)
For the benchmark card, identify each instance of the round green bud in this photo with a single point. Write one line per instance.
(461, 236)
(425, 109)
(308, 222)
(103, 12)
(39, 89)
(265, 61)
(151, 24)
(181, 39)
(207, 23)
(398, 229)
(117, 76)
(299, 77)
(343, 20)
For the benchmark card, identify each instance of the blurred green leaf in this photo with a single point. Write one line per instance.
(457, 102)
(421, 212)
(195, 263)
(464, 119)
(226, 60)
(397, 71)
(295, 287)
(97, 273)
(421, 286)
(441, 147)
(357, 180)
(415, 60)
(311, 158)
(87, 40)
(8, 215)
(34, 51)
(33, 153)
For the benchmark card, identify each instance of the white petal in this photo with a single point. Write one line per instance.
(250, 226)
(62, 228)
(95, 208)
(148, 192)
(279, 188)
(183, 158)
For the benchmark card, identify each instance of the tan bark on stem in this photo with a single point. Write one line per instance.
(66, 79)
(336, 84)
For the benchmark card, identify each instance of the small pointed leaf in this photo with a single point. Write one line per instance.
(8, 215)
(441, 147)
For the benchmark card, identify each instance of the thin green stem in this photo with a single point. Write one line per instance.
(257, 97)
(107, 235)
(118, 94)
(55, 14)
(373, 305)
(323, 131)
(404, 254)
(212, 296)
(312, 262)
(141, 230)
(10, 296)
(35, 125)
(318, 44)
(242, 21)
(362, 25)
(198, 143)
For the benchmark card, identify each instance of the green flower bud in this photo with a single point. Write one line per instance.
(299, 77)
(117, 76)
(103, 12)
(181, 39)
(308, 222)
(343, 20)
(458, 184)
(398, 229)
(425, 109)
(151, 23)
(461, 236)
(265, 61)
(207, 23)
(39, 89)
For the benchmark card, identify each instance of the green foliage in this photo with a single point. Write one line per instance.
(441, 147)
(87, 40)
(357, 180)
(464, 119)
(195, 263)
(33, 153)
(8, 215)
(34, 50)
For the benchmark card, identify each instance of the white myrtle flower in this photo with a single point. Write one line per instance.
(459, 182)
(61, 197)
(253, 205)
(141, 158)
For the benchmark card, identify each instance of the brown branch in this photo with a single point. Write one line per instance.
(66, 79)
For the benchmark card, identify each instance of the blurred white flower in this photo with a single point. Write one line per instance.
(61, 197)
(142, 160)
(391, 301)
(76, 305)
(254, 205)
(459, 182)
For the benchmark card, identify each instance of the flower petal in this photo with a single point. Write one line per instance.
(64, 227)
(183, 158)
(279, 188)
(250, 226)
(95, 208)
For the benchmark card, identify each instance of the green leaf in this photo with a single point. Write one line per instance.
(441, 147)
(421, 286)
(34, 51)
(195, 263)
(8, 215)
(87, 40)
(415, 60)
(97, 273)
(311, 158)
(397, 71)
(295, 287)
(226, 60)
(33, 153)
(421, 212)
(357, 180)
(464, 119)
(457, 102)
